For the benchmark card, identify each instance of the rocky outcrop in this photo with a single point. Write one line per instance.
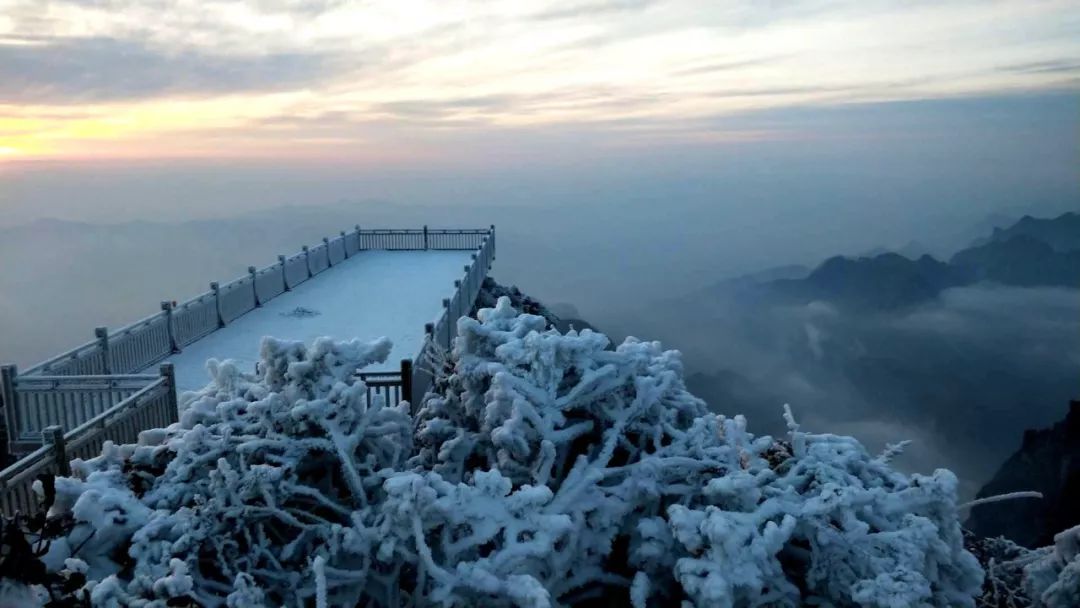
(1048, 461)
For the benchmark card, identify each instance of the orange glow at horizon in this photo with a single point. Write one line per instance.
(269, 81)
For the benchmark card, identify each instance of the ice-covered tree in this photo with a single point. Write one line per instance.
(544, 469)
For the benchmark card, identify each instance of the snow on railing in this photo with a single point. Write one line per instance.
(156, 337)
(42, 401)
(153, 339)
(439, 334)
(151, 405)
(192, 320)
(393, 386)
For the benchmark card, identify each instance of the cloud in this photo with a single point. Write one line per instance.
(726, 66)
(1051, 66)
(81, 70)
(439, 108)
(572, 10)
(964, 374)
(444, 66)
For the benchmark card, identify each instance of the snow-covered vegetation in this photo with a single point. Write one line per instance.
(543, 469)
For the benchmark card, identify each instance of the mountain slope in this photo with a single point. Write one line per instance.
(1048, 461)
(1022, 260)
(884, 282)
(1062, 233)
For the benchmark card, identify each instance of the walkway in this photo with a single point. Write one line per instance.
(369, 295)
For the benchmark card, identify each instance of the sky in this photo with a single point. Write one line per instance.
(406, 82)
(630, 152)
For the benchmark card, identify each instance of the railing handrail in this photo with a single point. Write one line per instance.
(429, 230)
(83, 378)
(70, 354)
(202, 297)
(11, 474)
(405, 383)
(236, 283)
(54, 390)
(131, 400)
(93, 347)
(143, 322)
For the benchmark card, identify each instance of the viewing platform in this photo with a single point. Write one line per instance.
(370, 295)
(408, 285)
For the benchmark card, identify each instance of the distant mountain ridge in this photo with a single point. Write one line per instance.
(1022, 260)
(1062, 233)
(1030, 253)
(886, 281)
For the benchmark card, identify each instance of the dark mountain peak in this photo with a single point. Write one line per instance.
(1072, 422)
(1048, 461)
(1061, 233)
(842, 267)
(1021, 258)
(882, 282)
(885, 280)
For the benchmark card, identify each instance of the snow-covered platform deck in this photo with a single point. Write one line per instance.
(369, 295)
(408, 285)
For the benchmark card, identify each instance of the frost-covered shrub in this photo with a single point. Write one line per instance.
(25, 580)
(1003, 562)
(546, 469)
(1053, 579)
(710, 513)
(260, 475)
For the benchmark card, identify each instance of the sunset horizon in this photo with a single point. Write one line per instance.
(334, 80)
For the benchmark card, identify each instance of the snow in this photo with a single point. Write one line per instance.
(1053, 580)
(370, 295)
(543, 469)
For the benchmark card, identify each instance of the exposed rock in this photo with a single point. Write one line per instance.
(1048, 461)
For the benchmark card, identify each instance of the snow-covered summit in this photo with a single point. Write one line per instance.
(543, 469)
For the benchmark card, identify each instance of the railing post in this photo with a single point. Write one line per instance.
(426, 359)
(7, 399)
(359, 239)
(425, 237)
(406, 381)
(167, 308)
(284, 277)
(216, 289)
(457, 296)
(492, 242)
(102, 334)
(474, 283)
(449, 321)
(326, 246)
(54, 436)
(254, 291)
(168, 372)
(429, 332)
(307, 260)
(344, 245)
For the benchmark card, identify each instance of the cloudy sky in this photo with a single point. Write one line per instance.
(379, 82)
(629, 151)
